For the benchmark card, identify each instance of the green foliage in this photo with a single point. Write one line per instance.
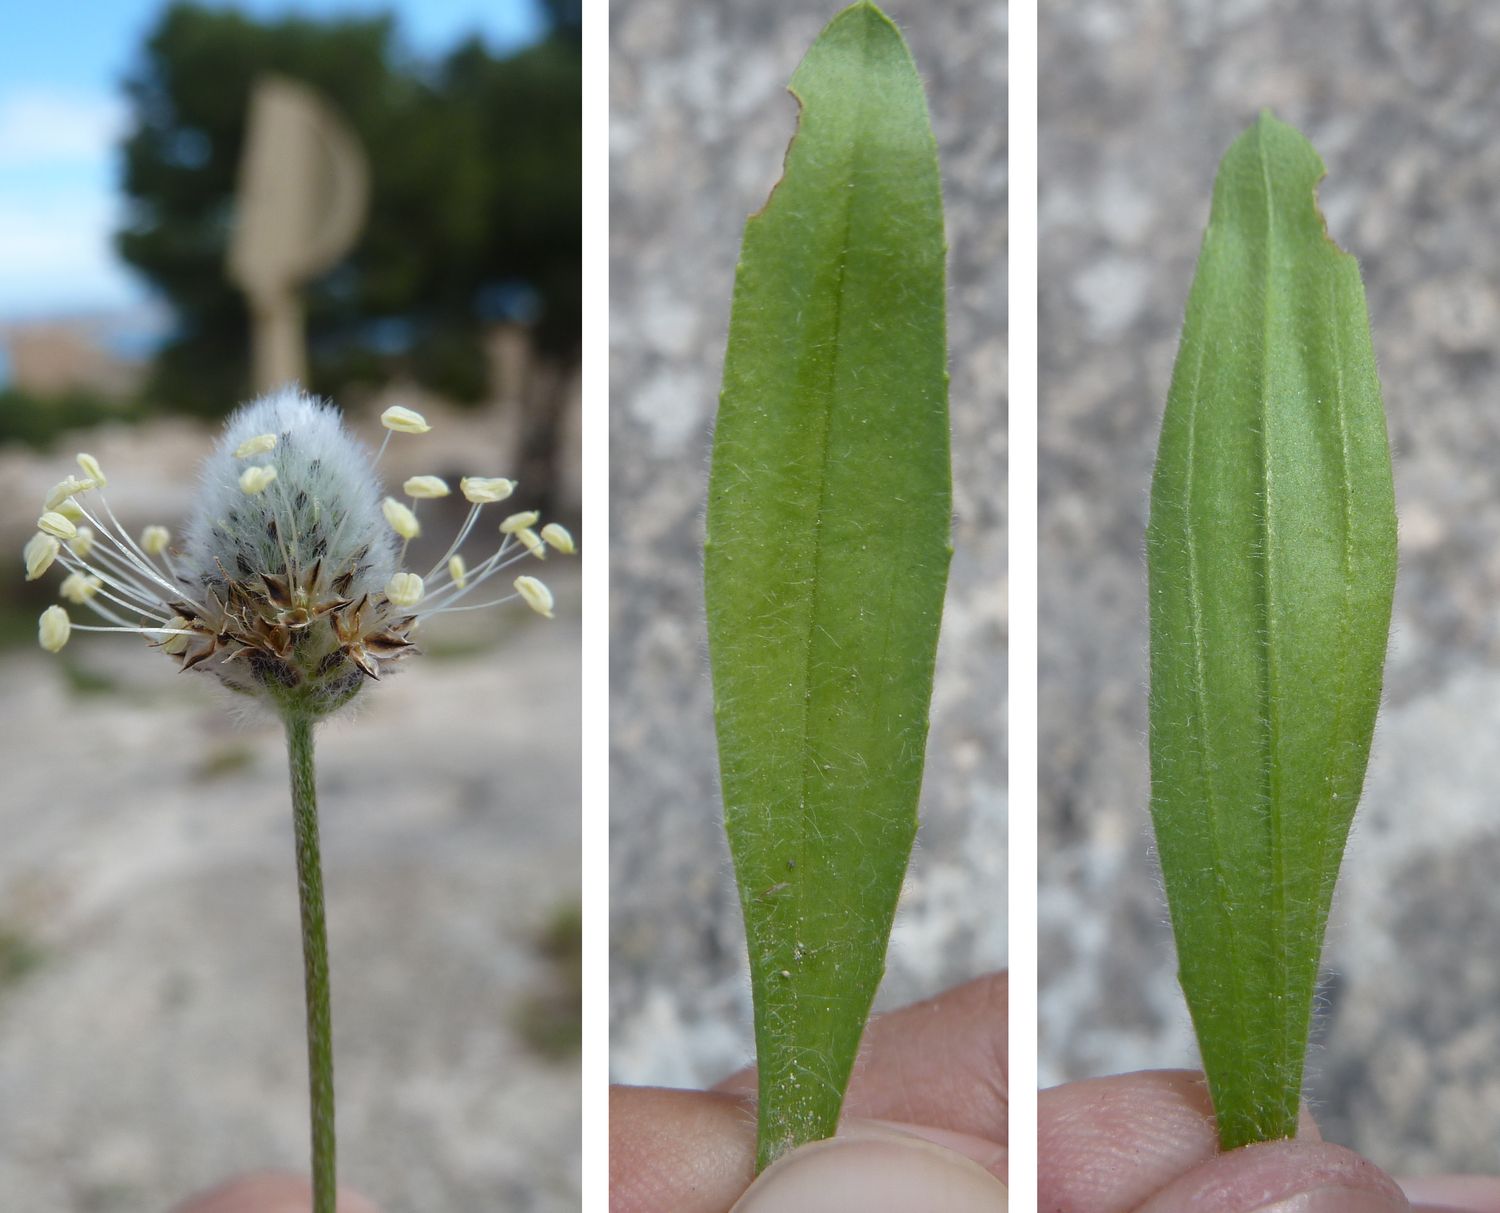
(20, 956)
(1272, 556)
(475, 196)
(550, 1019)
(827, 556)
(39, 421)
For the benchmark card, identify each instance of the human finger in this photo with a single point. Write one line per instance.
(941, 1062)
(870, 1168)
(1104, 1145)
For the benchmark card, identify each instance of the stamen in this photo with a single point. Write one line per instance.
(154, 540)
(259, 445)
(257, 479)
(140, 600)
(404, 589)
(506, 554)
(79, 587)
(91, 469)
(404, 420)
(54, 523)
(82, 543)
(138, 561)
(519, 522)
(177, 643)
(402, 520)
(533, 542)
(40, 551)
(458, 541)
(559, 537)
(64, 489)
(457, 571)
(128, 548)
(536, 595)
(426, 487)
(53, 628)
(483, 490)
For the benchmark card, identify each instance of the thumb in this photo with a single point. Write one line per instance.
(1295, 1176)
(870, 1168)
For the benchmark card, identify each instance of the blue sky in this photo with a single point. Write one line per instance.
(61, 115)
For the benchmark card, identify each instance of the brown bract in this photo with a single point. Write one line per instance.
(278, 632)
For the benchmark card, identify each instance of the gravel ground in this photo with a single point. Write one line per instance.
(1138, 102)
(151, 1034)
(700, 119)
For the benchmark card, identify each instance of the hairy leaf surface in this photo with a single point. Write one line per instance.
(827, 556)
(1272, 557)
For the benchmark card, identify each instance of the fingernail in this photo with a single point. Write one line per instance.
(884, 1173)
(1337, 1198)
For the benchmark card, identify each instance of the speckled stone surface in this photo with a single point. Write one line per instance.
(1138, 102)
(699, 121)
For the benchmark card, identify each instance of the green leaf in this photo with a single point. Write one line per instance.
(827, 555)
(1272, 555)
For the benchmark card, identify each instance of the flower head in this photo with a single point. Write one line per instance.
(288, 583)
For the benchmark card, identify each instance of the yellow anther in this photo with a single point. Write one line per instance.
(559, 537)
(71, 510)
(40, 551)
(258, 445)
(55, 524)
(53, 629)
(404, 421)
(533, 542)
(257, 480)
(64, 489)
(537, 596)
(404, 589)
(82, 543)
(519, 522)
(426, 487)
(176, 644)
(402, 520)
(91, 469)
(79, 587)
(483, 490)
(458, 571)
(154, 540)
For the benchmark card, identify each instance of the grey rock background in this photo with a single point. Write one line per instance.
(152, 1040)
(1138, 102)
(699, 121)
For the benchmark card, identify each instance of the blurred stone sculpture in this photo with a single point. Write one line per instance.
(303, 188)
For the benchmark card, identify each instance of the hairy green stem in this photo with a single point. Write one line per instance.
(299, 742)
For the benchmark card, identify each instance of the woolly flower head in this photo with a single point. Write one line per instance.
(289, 583)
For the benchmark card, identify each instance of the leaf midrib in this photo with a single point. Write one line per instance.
(809, 762)
(1270, 665)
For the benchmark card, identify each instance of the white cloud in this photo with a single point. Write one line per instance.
(55, 250)
(58, 202)
(45, 128)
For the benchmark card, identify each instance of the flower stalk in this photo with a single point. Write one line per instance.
(299, 744)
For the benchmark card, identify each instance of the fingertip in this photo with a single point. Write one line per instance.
(1106, 1144)
(1458, 1193)
(874, 1169)
(688, 1151)
(1293, 1176)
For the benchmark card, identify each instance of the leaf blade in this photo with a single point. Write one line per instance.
(827, 554)
(1271, 553)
